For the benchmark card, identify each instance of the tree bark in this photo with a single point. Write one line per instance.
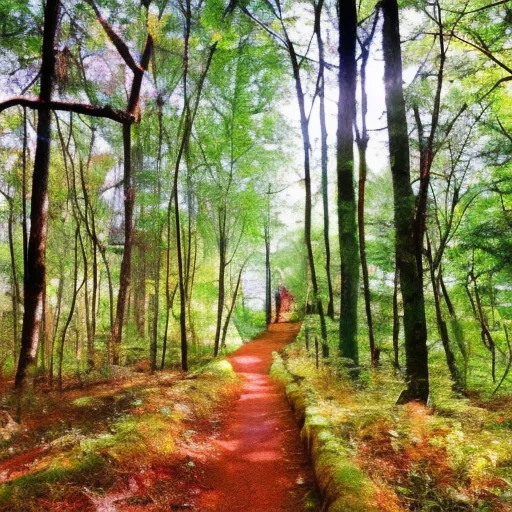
(304, 124)
(349, 252)
(36, 254)
(362, 139)
(411, 279)
(222, 273)
(324, 150)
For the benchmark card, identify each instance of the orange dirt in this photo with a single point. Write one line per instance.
(260, 465)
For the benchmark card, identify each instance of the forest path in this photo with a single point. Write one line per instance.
(260, 464)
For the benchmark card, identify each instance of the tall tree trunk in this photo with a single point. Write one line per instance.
(153, 349)
(456, 327)
(362, 146)
(71, 310)
(129, 202)
(16, 298)
(56, 322)
(36, 254)
(221, 293)
(349, 252)
(306, 144)
(268, 279)
(184, 143)
(411, 279)
(181, 279)
(124, 278)
(324, 159)
(268, 270)
(485, 333)
(139, 266)
(24, 227)
(90, 225)
(191, 326)
(189, 116)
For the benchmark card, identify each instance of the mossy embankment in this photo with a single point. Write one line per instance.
(370, 454)
(140, 433)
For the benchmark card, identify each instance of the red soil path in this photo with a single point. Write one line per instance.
(261, 465)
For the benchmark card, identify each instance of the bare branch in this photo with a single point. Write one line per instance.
(78, 108)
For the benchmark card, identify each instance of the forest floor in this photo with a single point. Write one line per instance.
(453, 455)
(219, 439)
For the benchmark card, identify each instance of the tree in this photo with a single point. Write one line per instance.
(411, 278)
(349, 251)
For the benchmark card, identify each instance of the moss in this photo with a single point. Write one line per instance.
(87, 471)
(87, 401)
(278, 370)
(221, 368)
(343, 485)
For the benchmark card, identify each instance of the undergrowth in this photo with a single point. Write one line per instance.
(454, 455)
(143, 434)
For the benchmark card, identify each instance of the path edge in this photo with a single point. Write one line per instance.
(334, 470)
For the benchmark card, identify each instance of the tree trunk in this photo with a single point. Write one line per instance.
(221, 294)
(456, 327)
(16, 299)
(124, 278)
(396, 322)
(362, 146)
(485, 333)
(324, 158)
(268, 276)
(56, 322)
(71, 310)
(36, 254)
(349, 252)
(411, 279)
(374, 353)
(158, 242)
(231, 308)
(306, 144)
(24, 199)
(441, 324)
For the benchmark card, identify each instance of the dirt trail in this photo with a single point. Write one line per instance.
(260, 465)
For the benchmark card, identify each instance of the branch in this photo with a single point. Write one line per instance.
(120, 45)
(479, 9)
(487, 53)
(78, 108)
(496, 85)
